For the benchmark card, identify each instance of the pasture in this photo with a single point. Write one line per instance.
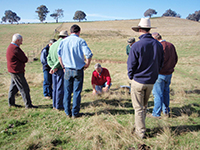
(109, 118)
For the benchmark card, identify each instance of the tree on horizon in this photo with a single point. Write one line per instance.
(42, 11)
(79, 15)
(171, 13)
(58, 14)
(10, 16)
(195, 16)
(149, 12)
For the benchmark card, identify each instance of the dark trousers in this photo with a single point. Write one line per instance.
(58, 85)
(19, 83)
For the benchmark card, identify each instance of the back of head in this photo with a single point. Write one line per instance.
(75, 28)
(156, 35)
(52, 41)
(16, 37)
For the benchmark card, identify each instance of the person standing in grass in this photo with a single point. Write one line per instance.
(161, 87)
(130, 41)
(47, 83)
(16, 60)
(57, 73)
(101, 80)
(71, 52)
(144, 63)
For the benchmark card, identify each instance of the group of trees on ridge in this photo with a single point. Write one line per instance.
(42, 12)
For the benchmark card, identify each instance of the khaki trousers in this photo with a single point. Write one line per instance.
(140, 95)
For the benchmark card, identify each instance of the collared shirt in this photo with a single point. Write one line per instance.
(72, 51)
(14, 44)
(101, 78)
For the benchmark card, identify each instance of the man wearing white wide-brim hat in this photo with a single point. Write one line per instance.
(143, 64)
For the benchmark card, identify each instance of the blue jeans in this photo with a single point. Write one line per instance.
(47, 83)
(58, 89)
(99, 87)
(161, 95)
(73, 83)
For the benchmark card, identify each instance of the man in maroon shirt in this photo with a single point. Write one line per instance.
(16, 60)
(101, 80)
(161, 87)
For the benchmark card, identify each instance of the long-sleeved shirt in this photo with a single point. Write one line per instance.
(170, 58)
(16, 59)
(72, 51)
(52, 58)
(43, 57)
(101, 78)
(145, 60)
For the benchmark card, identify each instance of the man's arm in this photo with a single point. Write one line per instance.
(87, 63)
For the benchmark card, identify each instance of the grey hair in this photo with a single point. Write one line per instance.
(16, 37)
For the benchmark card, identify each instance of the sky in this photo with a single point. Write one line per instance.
(97, 10)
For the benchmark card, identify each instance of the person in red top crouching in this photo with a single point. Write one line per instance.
(101, 80)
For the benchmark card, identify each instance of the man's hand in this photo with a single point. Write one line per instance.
(105, 89)
(52, 71)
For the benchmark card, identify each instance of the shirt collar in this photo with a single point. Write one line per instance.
(14, 44)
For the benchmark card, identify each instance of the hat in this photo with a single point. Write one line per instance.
(97, 65)
(131, 40)
(144, 23)
(63, 33)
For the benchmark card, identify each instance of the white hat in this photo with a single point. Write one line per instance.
(63, 33)
(144, 23)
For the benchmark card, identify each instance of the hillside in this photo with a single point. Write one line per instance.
(109, 118)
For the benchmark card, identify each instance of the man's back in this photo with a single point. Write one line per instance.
(72, 51)
(170, 58)
(145, 60)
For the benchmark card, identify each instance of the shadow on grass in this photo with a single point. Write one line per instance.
(45, 106)
(179, 111)
(196, 91)
(177, 130)
(187, 109)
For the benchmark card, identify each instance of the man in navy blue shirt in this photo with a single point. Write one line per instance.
(143, 64)
(47, 83)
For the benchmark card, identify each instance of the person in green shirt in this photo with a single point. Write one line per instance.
(130, 43)
(57, 73)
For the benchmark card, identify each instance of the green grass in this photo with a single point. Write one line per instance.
(109, 118)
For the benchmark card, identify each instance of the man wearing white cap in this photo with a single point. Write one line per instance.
(143, 64)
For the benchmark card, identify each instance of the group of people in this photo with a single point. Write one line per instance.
(150, 65)
(64, 61)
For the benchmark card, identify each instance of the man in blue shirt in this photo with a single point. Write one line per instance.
(143, 64)
(47, 83)
(71, 52)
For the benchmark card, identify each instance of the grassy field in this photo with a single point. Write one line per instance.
(109, 118)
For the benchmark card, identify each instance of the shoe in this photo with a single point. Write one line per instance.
(69, 116)
(31, 106)
(167, 115)
(15, 105)
(151, 116)
(77, 116)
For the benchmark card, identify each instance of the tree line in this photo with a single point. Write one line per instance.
(79, 15)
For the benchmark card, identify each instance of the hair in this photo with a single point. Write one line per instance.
(16, 37)
(52, 41)
(158, 36)
(75, 28)
(145, 29)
